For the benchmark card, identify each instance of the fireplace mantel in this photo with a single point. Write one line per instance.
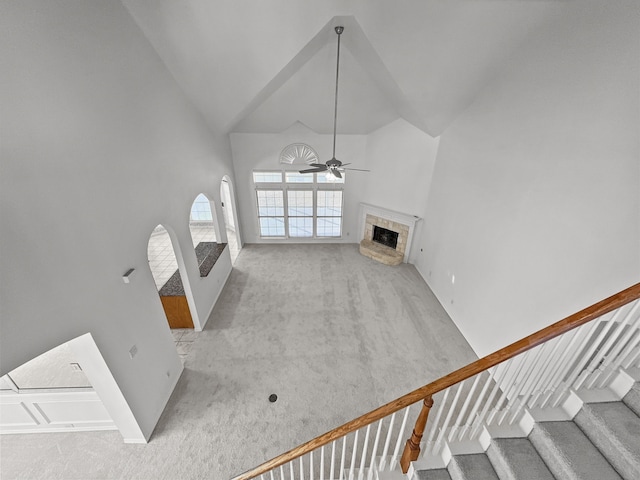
(374, 215)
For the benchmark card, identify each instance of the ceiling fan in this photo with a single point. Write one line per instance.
(334, 166)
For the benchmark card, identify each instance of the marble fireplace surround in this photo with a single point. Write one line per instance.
(402, 223)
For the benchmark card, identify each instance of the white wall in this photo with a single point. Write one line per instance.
(99, 145)
(401, 159)
(262, 152)
(534, 205)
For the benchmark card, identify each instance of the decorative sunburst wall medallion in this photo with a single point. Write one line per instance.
(298, 153)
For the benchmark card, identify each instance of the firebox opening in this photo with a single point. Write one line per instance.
(385, 237)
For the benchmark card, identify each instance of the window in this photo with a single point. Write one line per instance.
(300, 213)
(267, 177)
(271, 212)
(298, 205)
(295, 177)
(329, 213)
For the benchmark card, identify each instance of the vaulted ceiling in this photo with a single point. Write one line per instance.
(260, 66)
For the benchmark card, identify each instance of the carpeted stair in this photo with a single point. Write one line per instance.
(601, 443)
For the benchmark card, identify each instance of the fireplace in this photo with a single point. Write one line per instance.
(395, 228)
(388, 238)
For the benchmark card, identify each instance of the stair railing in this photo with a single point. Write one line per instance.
(539, 373)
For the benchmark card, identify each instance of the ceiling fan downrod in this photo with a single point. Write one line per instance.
(339, 31)
(333, 166)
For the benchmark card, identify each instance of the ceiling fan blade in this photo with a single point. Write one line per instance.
(314, 170)
(357, 169)
(336, 173)
(317, 165)
(342, 165)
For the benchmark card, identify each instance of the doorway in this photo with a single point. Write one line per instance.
(230, 218)
(172, 288)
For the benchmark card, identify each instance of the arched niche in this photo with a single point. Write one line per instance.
(205, 233)
(202, 221)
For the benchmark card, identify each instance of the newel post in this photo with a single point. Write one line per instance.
(412, 447)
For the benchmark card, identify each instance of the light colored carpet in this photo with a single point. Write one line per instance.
(332, 333)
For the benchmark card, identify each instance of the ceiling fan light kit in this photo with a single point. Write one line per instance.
(333, 167)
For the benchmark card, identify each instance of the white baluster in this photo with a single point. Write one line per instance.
(372, 463)
(502, 373)
(301, 469)
(583, 370)
(463, 410)
(632, 357)
(615, 358)
(311, 465)
(529, 368)
(434, 425)
(282, 473)
(271, 473)
(394, 457)
(510, 388)
(342, 457)
(385, 450)
(291, 474)
(353, 455)
(447, 419)
(580, 358)
(601, 361)
(333, 459)
(363, 456)
(559, 352)
(476, 406)
(505, 386)
(568, 358)
(322, 463)
(539, 371)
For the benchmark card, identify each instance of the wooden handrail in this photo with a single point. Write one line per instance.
(569, 323)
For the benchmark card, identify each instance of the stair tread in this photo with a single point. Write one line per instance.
(632, 399)
(568, 452)
(472, 467)
(615, 430)
(435, 474)
(517, 459)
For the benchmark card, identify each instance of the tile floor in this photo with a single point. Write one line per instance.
(184, 338)
(163, 264)
(162, 259)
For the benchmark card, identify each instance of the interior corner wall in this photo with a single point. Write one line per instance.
(534, 208)
(261, 151)
(99, 145)
(401, 159)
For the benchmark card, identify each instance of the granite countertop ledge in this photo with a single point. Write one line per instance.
(207, 254)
